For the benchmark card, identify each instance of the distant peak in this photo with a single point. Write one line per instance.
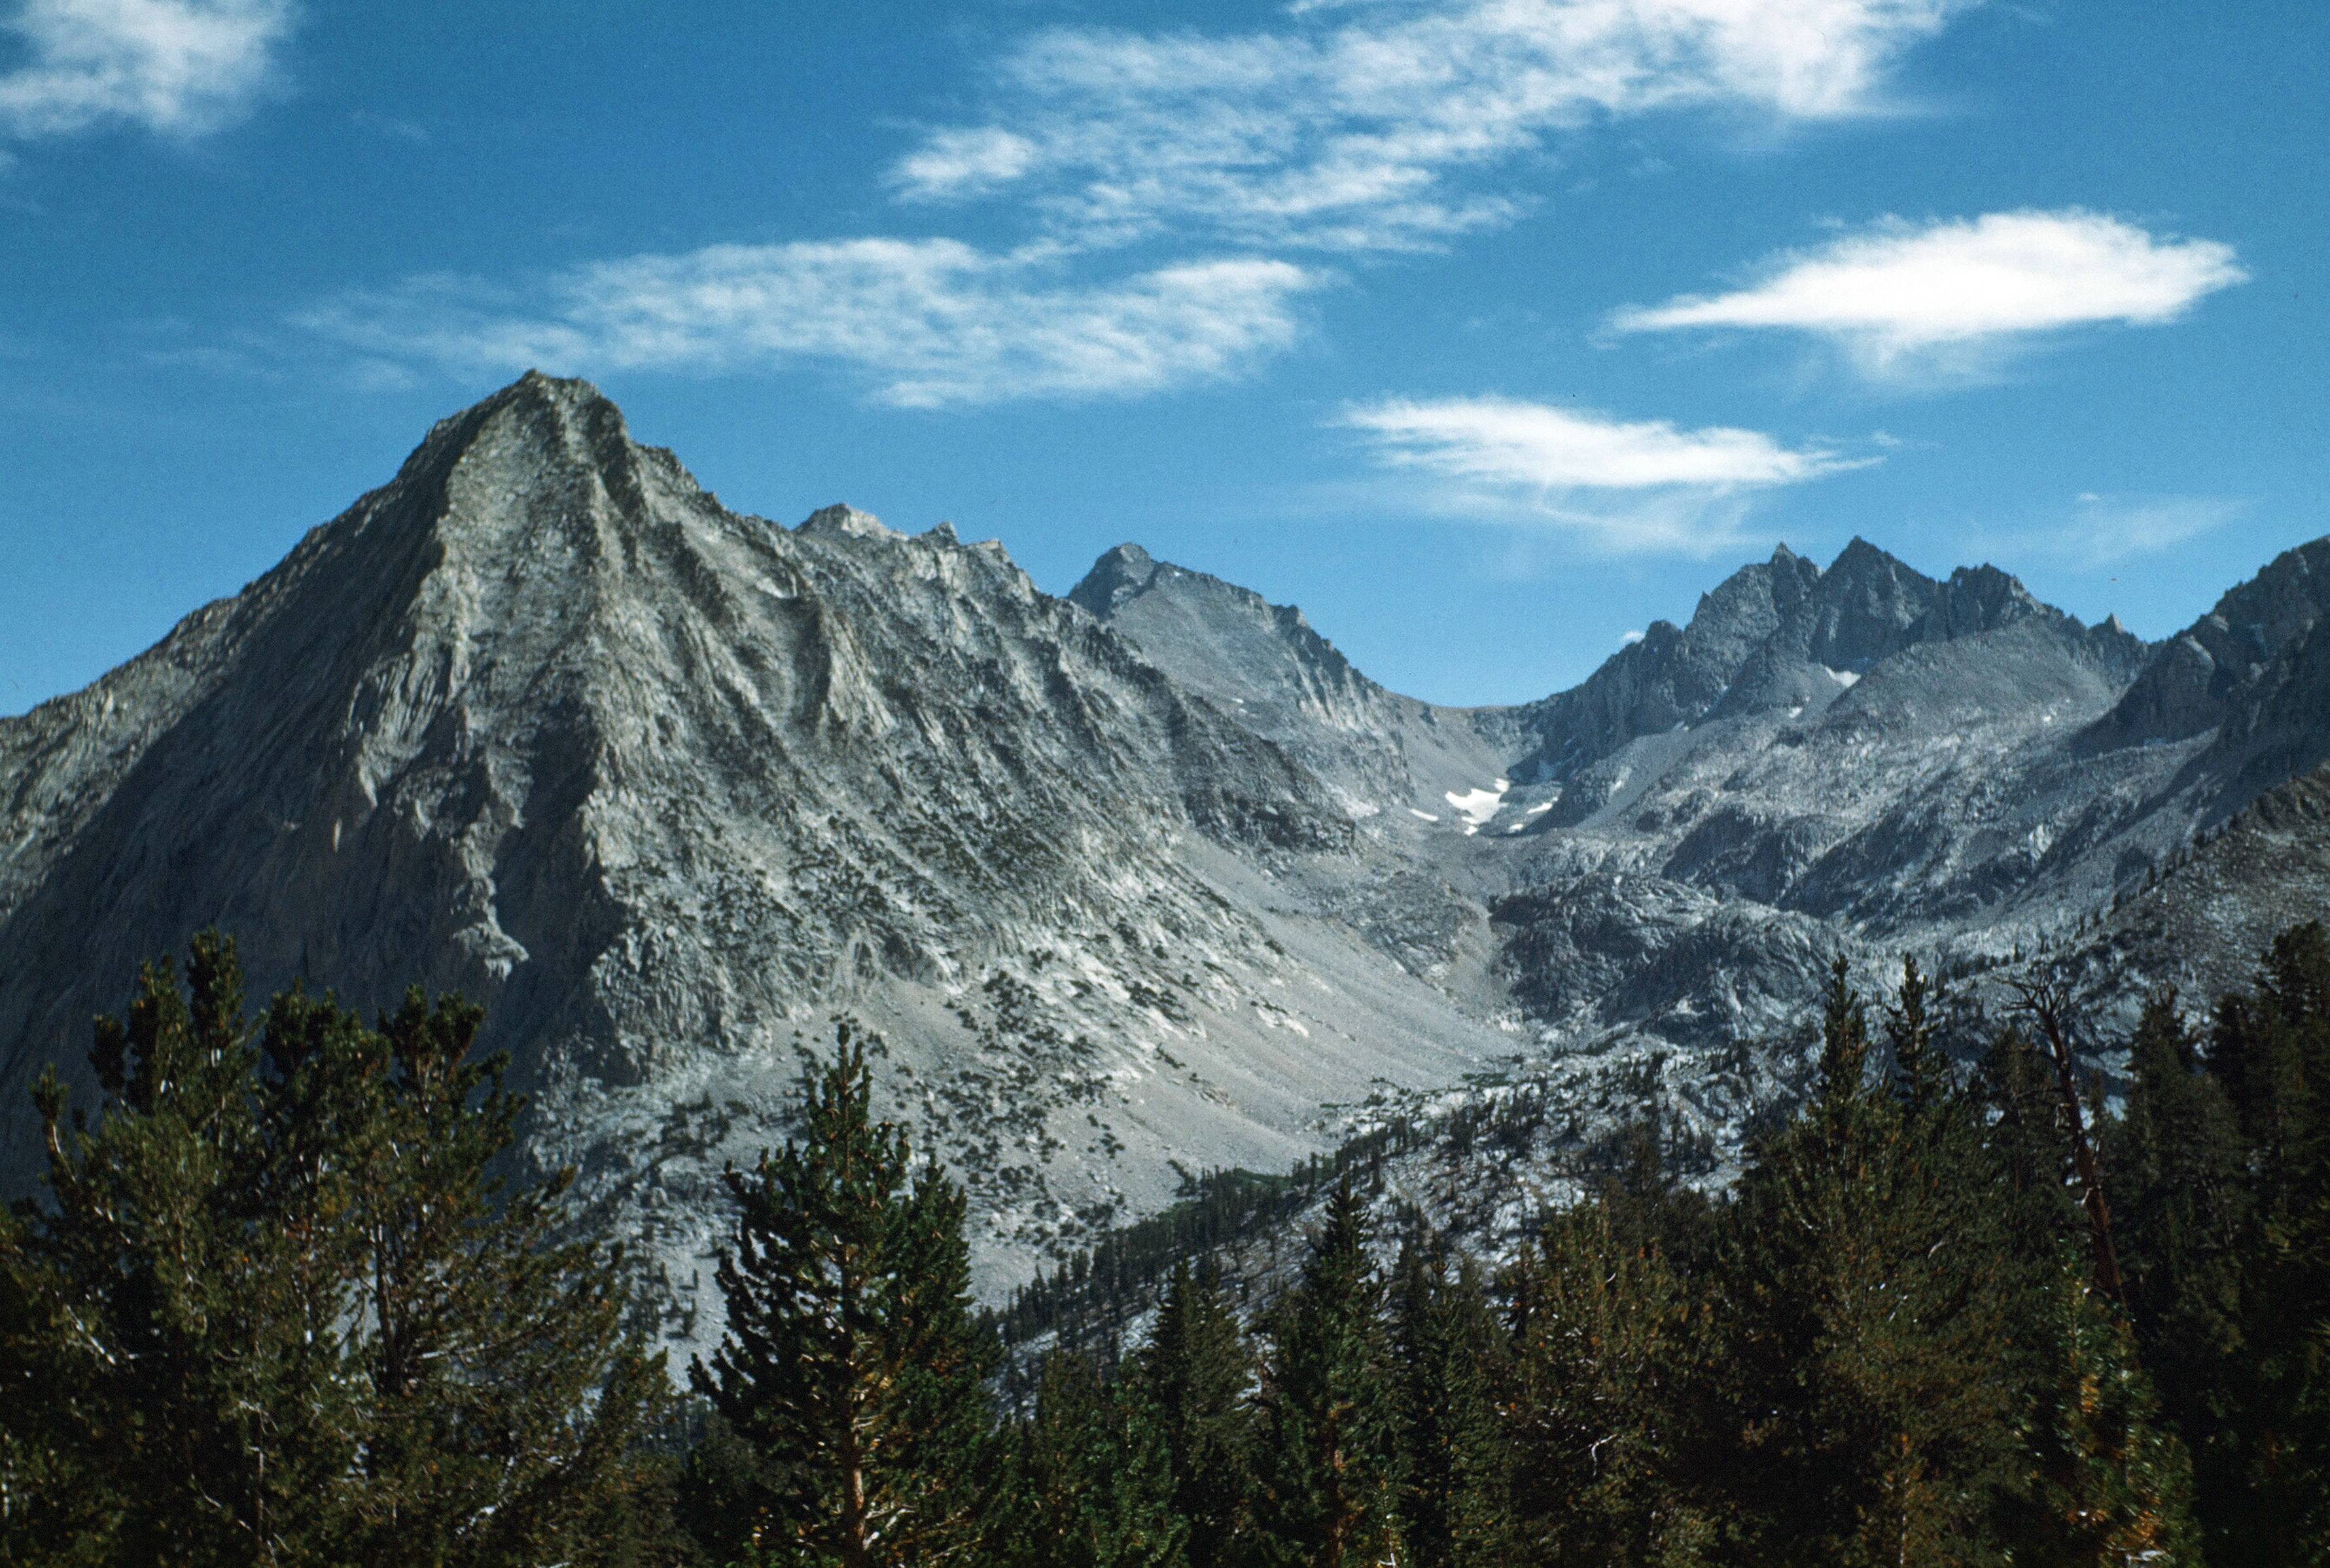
(571, 396)
(1859, 553)
(847, 521)
(1115, 577)
(537, 425)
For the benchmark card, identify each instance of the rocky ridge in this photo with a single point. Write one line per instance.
(1139, 882)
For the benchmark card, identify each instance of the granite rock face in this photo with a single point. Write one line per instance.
(1134, 883)
(666, 788)
(2206, 673)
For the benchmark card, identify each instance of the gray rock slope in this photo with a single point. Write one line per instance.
(1138, 881)
(1860, 761)
(665, 788)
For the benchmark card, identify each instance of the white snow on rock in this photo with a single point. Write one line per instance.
(1476, 806)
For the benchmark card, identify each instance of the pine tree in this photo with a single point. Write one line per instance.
(1921, 1073)
(851, 1359)
(2271, 1051)
(722, 1490)
(504, 1395)
(1195, 1371)
(1605, 1343)
(2177, 1162)
(1866, 1320)
(1453, 1487)
(275, 1310)
(1090, 1481)
(1328, 1448)
(2107, 1485)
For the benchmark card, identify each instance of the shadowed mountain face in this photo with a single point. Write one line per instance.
(1782, 635)
(1136, 882)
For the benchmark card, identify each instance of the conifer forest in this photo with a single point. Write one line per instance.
(280, 1302)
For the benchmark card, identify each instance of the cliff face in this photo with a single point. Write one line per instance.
(1139, 882)
(2210, 670)
(666, 786)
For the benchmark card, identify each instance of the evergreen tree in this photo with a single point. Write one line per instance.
(1328, 1446)
(489, 1336)
(1452, 1501)
(2107, 1485)
(2271, 1051)
(1921, 1072)
(2177, 1162)
(722, 1490)
(1090, 1481)
(1865, 1320)
(1605, 1341)
(851, 1359)
(1195, 1371)
(281, 1313)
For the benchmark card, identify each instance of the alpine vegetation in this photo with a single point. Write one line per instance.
(274, 1305)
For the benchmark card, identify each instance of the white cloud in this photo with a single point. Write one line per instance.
(1352, 132)
(180, 66)
(1900, 294)
(963, 162)
(1623, 485)
(2099, 531)
(1506, 442)
(933, 323)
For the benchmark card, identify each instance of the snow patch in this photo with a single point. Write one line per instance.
(1476, 806)
(1845, 678)
(1428, 815)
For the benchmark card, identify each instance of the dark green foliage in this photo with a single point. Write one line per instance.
(1088, 1478)
(1863, 1317)
(2259, 1412)
(722, 1490)
(851, 1362)
(1605, 1343)
(1448, 1360)
(1328, 1452)
(2105, 1484)
(1193, 1373)
(275, 1310)
(2176, 1167)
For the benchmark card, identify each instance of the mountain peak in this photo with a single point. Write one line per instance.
(570, 411)
(845, 521)
(1115, 577)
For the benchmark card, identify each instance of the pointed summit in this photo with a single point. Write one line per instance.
(1115, 577)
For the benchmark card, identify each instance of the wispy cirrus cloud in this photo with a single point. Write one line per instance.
(2095, 531)
(1366, 128)
(182, 67)
(926, 323)
(1621, 485)
(1346, 127)
(1954, 295)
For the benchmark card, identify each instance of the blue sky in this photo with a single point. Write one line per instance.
(1486, 330)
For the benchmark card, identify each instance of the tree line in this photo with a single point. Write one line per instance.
(272, 1308)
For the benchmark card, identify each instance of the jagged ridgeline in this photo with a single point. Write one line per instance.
(1142, 879)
